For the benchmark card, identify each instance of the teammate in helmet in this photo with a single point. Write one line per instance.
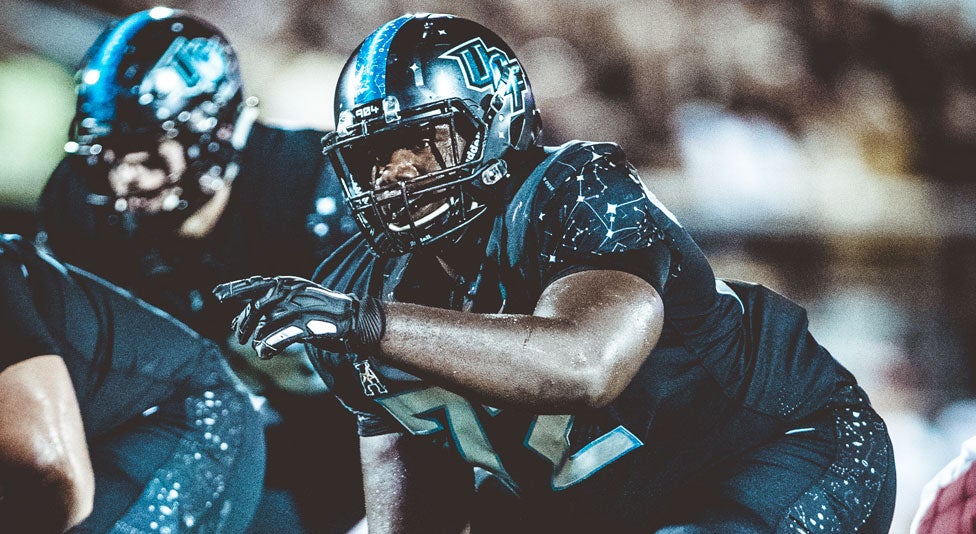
(112, 408)
(163, 156)
(158, 102)
(536, 313)
(170, 186)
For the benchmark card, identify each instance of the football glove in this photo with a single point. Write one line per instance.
(283, 310)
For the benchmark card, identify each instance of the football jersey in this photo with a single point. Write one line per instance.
(123, 355)
(165, 419)
(734, 366)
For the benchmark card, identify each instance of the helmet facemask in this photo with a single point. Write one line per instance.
(442, 192)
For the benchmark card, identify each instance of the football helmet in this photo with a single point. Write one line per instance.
(435, 81)
(155, 75)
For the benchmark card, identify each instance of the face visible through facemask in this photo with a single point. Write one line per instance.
(429, 151)
(146, 182)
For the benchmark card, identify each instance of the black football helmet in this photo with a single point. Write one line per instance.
(438, 81)
(161, 74)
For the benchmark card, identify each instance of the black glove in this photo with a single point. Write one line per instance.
(283, 310)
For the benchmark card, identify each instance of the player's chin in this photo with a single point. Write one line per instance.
(402, 219)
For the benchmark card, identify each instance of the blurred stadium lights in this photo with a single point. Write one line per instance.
(43, 43)
(59, 31)
(33, 126)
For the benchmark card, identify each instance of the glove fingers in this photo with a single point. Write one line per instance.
(246, 323)
(258, 310)
(235, 324)
(284, 310)
(246, 288)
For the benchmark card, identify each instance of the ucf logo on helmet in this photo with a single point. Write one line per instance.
(485, 67)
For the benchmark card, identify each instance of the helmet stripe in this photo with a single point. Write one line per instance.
(371, 62)
(95, 78)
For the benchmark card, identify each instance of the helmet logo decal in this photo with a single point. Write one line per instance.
(485, 68)
(188, 68)
(193, 60)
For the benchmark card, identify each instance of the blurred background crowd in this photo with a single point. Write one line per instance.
(825, 148)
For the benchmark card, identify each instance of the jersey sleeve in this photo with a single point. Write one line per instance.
(595, 213)
(24, 333)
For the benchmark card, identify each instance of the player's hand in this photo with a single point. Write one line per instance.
(282, 310)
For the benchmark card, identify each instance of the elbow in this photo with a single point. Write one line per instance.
(600, 385)
(600, 394)
(606, 377)
(70, 488)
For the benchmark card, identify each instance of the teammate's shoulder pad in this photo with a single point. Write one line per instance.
(572, 150)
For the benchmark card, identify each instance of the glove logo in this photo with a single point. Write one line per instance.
(371, 383)
(485, 67)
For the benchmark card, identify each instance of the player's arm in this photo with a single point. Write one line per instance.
(411, 485)
(46, 476)
(588, 335)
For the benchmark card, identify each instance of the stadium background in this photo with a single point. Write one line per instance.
(826, 148)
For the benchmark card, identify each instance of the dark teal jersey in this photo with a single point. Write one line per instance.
(735, 365)
(124, 356)
(165, 419)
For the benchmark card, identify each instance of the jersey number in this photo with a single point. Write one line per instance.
(548, 436)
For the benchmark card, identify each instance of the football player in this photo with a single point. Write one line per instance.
(112, 407)
(170, 186)
(536, 313)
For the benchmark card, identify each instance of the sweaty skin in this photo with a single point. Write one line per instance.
(408, 163)
(45, 471)
(588, 336)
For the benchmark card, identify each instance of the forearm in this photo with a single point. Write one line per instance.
(552, 361)
(504, 359)
(43, 454)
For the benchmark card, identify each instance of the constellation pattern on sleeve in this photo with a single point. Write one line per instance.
(600, 206)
